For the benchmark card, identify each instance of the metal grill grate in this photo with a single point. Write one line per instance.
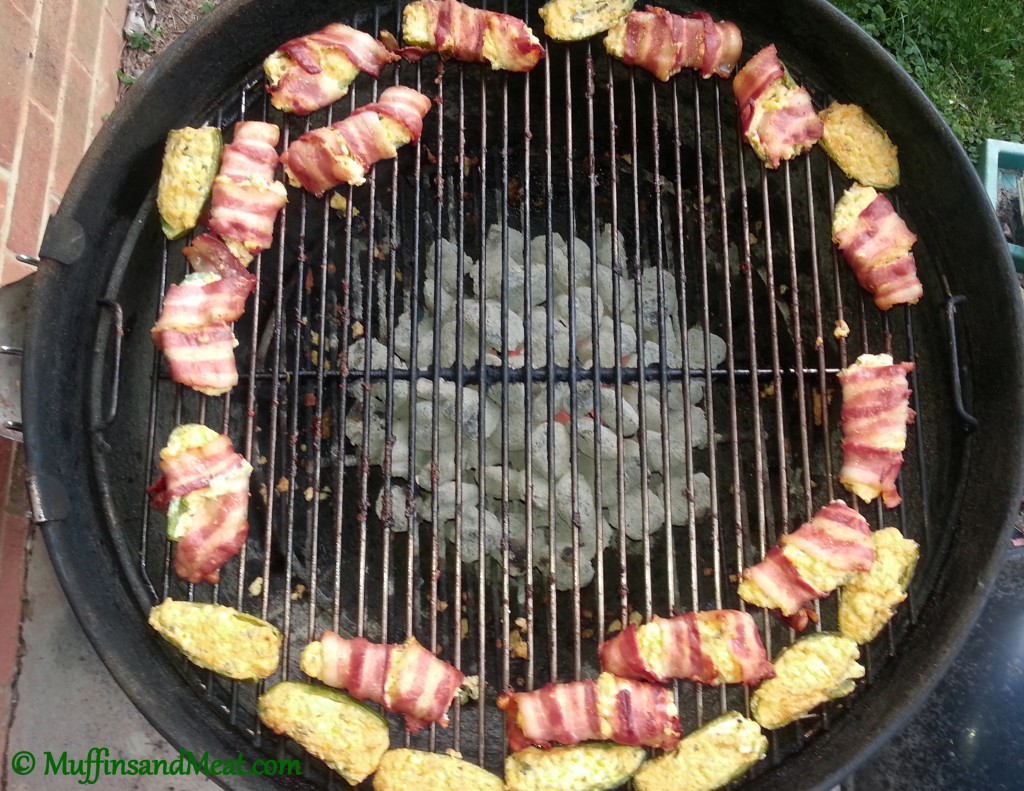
(578, 144)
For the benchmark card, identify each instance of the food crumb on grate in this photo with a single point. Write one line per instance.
(308, 494)
(842, 329)
(298, 592)
(256, 586)
(517, 646)
(819, 405)
(282, 485)
(442, 605)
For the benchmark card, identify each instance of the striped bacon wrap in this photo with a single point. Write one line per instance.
(305, 85)
(877, 246)
(343, 152)
(246, 199)
(783, 132)
(460, 32)
(876, 411)
(837, 537)
(609, 708)
(406, 679)
(664, 43)
(686, 647)
(220, 526)
(194, 330)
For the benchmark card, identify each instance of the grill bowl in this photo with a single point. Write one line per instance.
(103, 244)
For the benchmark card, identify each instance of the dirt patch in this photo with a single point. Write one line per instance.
(169, 20)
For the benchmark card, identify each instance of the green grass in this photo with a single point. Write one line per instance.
(967, 56)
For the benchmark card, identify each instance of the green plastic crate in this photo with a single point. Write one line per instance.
(1001, 155)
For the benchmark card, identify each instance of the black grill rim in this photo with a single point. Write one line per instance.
(110, 187)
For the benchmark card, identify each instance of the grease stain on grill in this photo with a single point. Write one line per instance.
(663, 165)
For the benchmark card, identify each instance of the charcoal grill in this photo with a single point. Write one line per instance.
(579, 143)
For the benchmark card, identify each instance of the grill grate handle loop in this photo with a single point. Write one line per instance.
(115, 384)
(970, 422)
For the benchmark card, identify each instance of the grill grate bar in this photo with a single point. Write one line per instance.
(494, 374)
(574, 407)
(481, 592)
(460, 349)
(798, 345)
(599, 498)
(505, 602)
(528, 346)
(435, 538)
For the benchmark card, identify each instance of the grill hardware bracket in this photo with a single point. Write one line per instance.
(970, 422)
(47, 498)
(115, 384)
(63, 240)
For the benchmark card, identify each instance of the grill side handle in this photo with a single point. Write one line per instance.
(970, 422)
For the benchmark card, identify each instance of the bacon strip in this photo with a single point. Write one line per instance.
(193, 329)
(219, 522)
(762, 70)
(664, 43)
(776, 115)
(221, 530)
(876, 411)
(246, 199)
(456, 30)
(315, 75)
(622, 710)
(687, 646)
(207, 253)
(196, 304)
(405, 678)
(343, 152)
(202, 358)
(877, 246)
(196, 467)
(810, 563)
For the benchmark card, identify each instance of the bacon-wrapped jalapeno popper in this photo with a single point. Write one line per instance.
(575, 20)
(606, 708)
(810, 563)
(405, 678)
(456, 30)
(232, 643)
(343, 152)
(876, 243)
(665, 43)
(776, 115)
(708, 758)
(194, 330)
(713, 647)
(594, 766)
(313, 71)
(814, 669)
(402, 769)
(246, 198)
(349, 737)
(869, 600)
(876, 411)
(204, 489)
(191, 159)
